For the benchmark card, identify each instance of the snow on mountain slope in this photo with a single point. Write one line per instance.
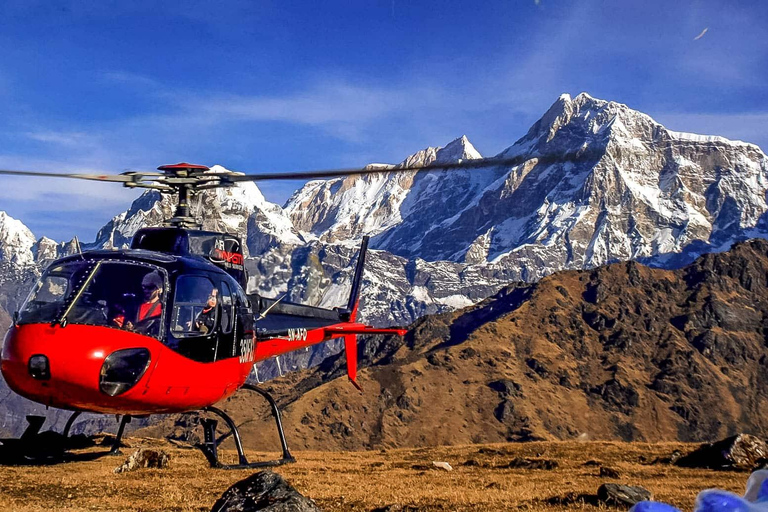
(635, 190)
(649, 192)
(346, 208)
(16, 242)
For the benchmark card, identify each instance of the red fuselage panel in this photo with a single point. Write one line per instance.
(171, 383)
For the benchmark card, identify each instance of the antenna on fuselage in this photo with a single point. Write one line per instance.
(79, 249)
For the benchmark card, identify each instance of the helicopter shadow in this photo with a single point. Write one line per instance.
(50, 448)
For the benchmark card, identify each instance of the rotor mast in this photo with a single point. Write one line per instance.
(185, 179)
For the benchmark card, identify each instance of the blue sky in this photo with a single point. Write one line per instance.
(293, 85)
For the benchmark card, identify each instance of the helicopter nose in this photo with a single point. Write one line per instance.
(24, 364)
(77, 366)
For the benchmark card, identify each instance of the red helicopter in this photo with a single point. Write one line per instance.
(166, 326)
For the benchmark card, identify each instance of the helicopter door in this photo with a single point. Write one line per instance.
(195, 319)
(226, 330)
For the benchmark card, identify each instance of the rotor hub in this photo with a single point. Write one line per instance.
(185, 179)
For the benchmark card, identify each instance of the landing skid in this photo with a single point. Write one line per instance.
(211, 443)
(44, 448)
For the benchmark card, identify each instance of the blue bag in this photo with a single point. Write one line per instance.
(716, 500)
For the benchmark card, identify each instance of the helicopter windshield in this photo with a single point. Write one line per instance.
(47, 299)
(121, 295)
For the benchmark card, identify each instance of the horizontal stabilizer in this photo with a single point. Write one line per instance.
(364, 330)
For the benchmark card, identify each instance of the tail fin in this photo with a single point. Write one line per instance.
(350, 312)
(350, 340)
(349, 329)
(350, 347)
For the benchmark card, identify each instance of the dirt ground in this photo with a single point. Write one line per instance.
(363, 481)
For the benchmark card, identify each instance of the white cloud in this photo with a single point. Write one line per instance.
(76, 140)
(339, 106)
(133, 79)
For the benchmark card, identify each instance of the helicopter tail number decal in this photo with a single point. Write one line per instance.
(247, 346)
(299, 334)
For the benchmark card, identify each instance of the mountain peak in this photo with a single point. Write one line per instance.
(457, 149)
(16, 241)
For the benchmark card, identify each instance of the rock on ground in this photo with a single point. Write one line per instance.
(145, 458)
(742, 452)
(264, 491)
(521, 463)
(622, 495)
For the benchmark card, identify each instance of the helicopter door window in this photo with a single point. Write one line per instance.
(195, 308)
(226, 309)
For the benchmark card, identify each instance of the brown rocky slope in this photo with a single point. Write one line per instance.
(619, 352)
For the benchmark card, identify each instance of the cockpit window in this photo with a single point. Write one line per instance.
(120, 295)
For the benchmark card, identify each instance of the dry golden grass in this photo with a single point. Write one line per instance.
(357, 481)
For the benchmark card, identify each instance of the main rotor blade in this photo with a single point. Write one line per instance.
(168, 183)
(117, 178)
(462, 164)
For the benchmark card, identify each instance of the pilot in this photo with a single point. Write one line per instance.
(207, 317)
(152, 307)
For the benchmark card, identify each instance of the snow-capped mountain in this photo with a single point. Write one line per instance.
(346, 208)
(446, 239)
(640, 191)
(16, 242)
(443, 240)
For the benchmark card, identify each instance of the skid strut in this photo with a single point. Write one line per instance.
(69, 424)
(211, 442)
(120, 430)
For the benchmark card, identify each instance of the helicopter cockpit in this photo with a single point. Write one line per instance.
(117, 294)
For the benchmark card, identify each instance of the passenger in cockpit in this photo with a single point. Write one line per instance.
(148, 315)
(206, 320)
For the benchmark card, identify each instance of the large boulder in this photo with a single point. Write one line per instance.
(266, 491)
(742, 452)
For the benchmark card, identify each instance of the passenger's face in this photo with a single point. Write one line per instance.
(150, 292)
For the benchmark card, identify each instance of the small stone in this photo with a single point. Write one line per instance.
(442, 465)
(521, 463)
(145, 458)
(622, 495)
(608, 472)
